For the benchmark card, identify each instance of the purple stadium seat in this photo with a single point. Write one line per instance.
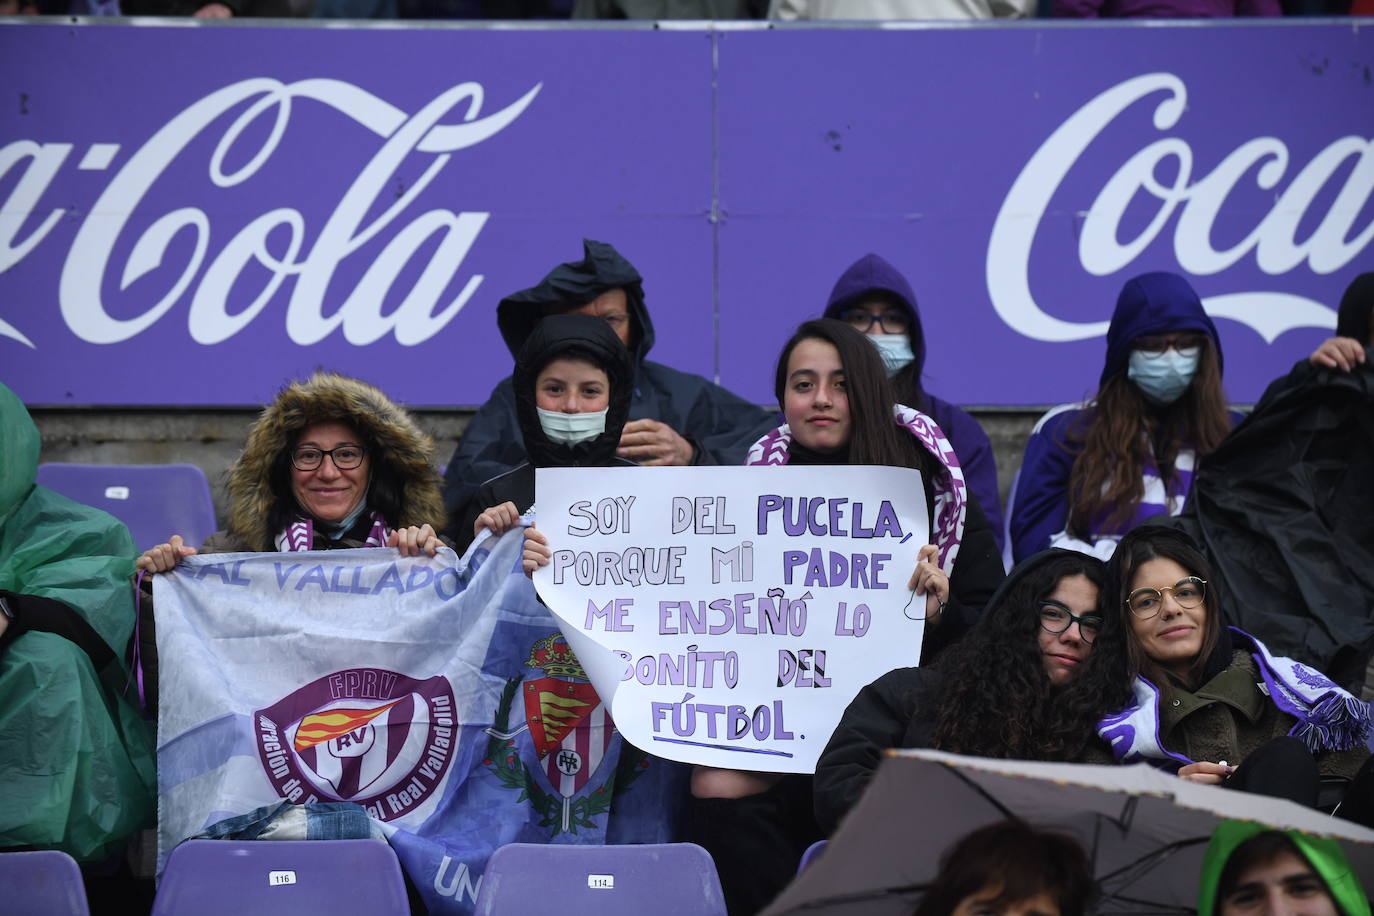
(300, 877)
(813, 852)
(670, 879)
(155, 501)
(46, 882)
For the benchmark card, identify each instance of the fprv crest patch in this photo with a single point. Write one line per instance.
(364, 735)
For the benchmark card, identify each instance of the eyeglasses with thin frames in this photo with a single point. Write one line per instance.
(1147, 602)
(345, 457)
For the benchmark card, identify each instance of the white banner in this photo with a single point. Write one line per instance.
(729, 615)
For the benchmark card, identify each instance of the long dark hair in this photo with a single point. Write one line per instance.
(994, 698)
(1106, 484)
(1151, 542)
(874, 437)
(1018, 862)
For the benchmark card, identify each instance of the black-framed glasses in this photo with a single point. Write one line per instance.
(345, 457)
(862, 320)
(1146, 602)
(1055, 618)
(1155, 346)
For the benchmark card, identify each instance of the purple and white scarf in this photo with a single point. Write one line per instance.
(951, 501)
(300, 535)
(1329, 718)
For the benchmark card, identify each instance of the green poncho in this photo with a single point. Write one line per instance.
(1322, 853)
(76, 760)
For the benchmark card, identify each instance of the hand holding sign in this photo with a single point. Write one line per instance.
(729, 615)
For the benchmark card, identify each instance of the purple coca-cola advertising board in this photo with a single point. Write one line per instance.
(192, 215)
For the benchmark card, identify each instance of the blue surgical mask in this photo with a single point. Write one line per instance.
(572, 428)
(895, 350)
(1163, 377)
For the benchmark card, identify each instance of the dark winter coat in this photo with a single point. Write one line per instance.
(1154, 303)
(555, 336)
(872, 277)
(1227, 717)
(720, 425)
(898, 710)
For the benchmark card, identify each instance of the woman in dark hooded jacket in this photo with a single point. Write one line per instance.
(572, 386)
(1094, 471)
(873, 297)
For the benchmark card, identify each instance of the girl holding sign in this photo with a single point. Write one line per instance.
(840, 410)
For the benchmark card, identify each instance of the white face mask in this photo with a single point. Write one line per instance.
(895, 350)
(1164, 377)
(572, 428)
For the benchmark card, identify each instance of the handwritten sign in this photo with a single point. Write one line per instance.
(729, 615)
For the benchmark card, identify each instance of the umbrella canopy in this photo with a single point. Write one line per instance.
(1146, 832)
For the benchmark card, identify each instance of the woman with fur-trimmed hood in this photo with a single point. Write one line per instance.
(331, 463)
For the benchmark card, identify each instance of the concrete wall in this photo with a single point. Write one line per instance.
(212, 438)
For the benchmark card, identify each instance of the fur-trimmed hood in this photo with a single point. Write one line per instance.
(260, 498)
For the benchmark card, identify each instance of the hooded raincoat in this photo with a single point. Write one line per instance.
(578, 337)
(720, 425)
(263, 515)
(76, 760)
(1038, 508)
(1322, 853)
(871, 277)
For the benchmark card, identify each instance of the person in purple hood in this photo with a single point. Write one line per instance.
(1092, 472)
(873, 297)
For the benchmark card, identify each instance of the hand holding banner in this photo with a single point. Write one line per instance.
(729, 615)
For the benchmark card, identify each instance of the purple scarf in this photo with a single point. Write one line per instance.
(951, 503)
(300, 535)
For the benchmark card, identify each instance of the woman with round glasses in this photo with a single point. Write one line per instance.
(1094, 471)
(1028, 683)
(874, 298)
(332, 463)
(1211, 702)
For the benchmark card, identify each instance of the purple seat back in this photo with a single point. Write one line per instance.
(668, 879)
(813, 852)
(46, 882)
(300, 877)
(155, 501)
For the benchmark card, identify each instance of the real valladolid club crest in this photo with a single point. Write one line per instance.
(364, 735)
(571, 731)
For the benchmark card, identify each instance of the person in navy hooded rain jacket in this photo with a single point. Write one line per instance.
(1093, 472)
(874, 297)
(675, 417)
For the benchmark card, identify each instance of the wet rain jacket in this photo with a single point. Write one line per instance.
(1284, 509)
(720, 425)
(76, 760)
